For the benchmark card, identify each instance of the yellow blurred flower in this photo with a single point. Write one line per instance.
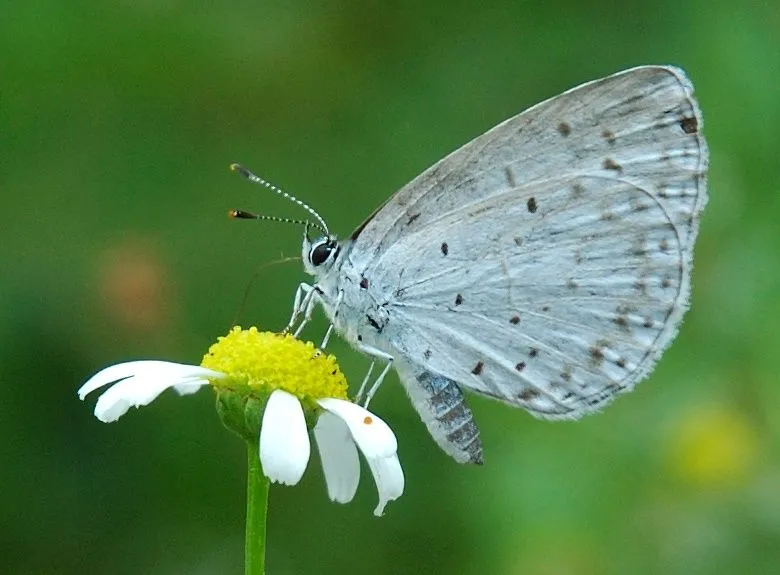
(713, 446)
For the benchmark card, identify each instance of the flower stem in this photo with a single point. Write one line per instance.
(256, 513)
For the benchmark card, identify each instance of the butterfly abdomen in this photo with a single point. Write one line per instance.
(442, 407)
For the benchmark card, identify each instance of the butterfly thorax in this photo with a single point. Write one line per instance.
(354, 306)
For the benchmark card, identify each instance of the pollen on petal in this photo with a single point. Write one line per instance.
(266, 361)
(374, 440)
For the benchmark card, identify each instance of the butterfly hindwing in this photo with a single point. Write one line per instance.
(546, 309)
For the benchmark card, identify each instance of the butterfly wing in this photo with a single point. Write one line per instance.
(547, 262)
(641, 125)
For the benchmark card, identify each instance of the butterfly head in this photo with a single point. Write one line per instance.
(319, 255)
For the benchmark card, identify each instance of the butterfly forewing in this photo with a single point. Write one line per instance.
(547, 262)
(640, 125)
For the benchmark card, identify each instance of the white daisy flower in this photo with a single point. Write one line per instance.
(246, 367)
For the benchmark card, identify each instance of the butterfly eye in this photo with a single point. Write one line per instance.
(320, 253)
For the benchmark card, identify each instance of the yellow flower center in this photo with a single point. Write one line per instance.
(265, 361)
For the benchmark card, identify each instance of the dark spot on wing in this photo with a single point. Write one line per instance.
(578, 189)
(689, 125)
(520, 366)
(412, 218)
(514, 320)
(532, 205)
(610, 164)
(427, 354)
(621, 321)
(458, 299)
(477, 368)
(534, 352)
(663, 245)
(621, 363)
(364, 283)
(564, 129)
(640, 286)
(445, 249)
(571, 284)
(609, 136)
(528, 394)
(666, 282)
(648, 323)
(518, 241)
(373, 323)
(597, 355)
(639, 247)
(566, 375)
(545, 308)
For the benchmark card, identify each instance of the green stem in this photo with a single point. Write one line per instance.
(256, 513)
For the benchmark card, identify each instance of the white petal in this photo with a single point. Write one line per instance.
(284, 439)
(389, 479)
(339, 456)
(161, 369)
(372, 435)
(377, 442)
(190, 386)
(140, 383)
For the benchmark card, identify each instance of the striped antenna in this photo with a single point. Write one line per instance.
(258, 180)
(244, 215)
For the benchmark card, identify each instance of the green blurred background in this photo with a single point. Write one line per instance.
(118, 121)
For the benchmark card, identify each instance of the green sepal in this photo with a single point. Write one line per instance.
(241, 411)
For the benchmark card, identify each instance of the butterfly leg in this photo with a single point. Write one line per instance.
(302, 296)
(307, 306)
(377, 354)
(362, 390)
(335, 315)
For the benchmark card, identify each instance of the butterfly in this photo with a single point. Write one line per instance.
(546, 263)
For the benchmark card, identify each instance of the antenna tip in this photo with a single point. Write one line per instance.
(242, 215)
(240, 169)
